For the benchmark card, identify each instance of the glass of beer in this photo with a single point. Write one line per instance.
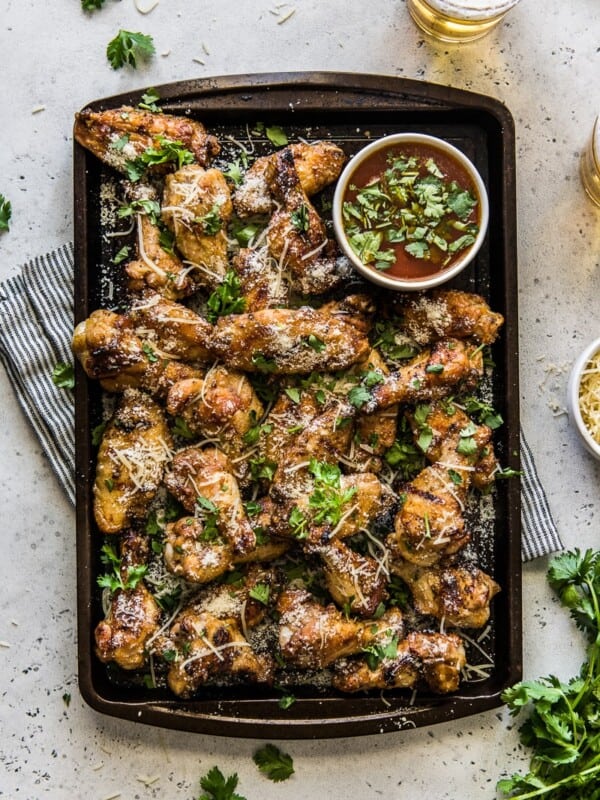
(458, 20)
(590, 164)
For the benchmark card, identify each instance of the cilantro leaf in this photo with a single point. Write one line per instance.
(260, 592)
(92, 5)
(145, 206)
(5, 213)
(216, 787)
(276, 135)
(121, 255)
(63, 375)
(273, 763)
(299, 218)
(162, 151)
(227, 298)
(127, 47)
(113, 579)
(562, 726)
(211, 222)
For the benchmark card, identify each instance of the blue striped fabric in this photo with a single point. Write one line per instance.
(36, 325)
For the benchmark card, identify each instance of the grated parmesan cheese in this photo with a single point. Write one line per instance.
(589, 397)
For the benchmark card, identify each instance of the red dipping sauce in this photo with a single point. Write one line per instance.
(410, 211)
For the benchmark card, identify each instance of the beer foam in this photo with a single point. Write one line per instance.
(472, 9)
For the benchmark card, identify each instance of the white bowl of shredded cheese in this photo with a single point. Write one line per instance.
(583, 397)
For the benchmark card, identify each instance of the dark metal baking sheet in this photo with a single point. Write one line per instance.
(348, 108)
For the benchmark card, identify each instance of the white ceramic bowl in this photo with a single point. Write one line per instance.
(377, 276)
(573, 397)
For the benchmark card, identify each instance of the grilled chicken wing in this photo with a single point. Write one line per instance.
(173, 330)
(214, 649)
(110, 351)
(458, 595)
(155, 268)
(132, 619)
(200, 555)
(196, 551)
(312, 636)
(133, 616)
(433, 658)
(450, 365)
(120, 135)
(354, 581)
(297, 235)
(204, 483)
(261, 279)
(444, 314)
(458, 444)
(317, 165)
(196, 208)
(134, 451)
(221, 405)
(295, 340)
(430, 523)
(373, 433)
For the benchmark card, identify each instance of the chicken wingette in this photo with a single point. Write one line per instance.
(196, 208)
(118, 136)
(434, 659)
(313, 636)
(295, 340)
(458, 595)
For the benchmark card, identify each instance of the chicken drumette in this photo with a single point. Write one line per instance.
(133, 454)
(203, 482)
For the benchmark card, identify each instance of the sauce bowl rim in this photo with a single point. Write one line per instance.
(379, 277)
(573, 406)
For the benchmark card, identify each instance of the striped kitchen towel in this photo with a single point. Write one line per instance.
(36, 325)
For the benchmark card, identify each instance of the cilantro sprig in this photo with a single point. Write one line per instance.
(563, 727)
(273, 763)
(227, 298)
(162, 151)
(216, 786)
(128, 47)
(113, 579)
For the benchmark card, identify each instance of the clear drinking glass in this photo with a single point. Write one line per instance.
(458, 20)
(590, 164)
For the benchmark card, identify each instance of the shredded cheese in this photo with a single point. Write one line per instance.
(589, 397)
